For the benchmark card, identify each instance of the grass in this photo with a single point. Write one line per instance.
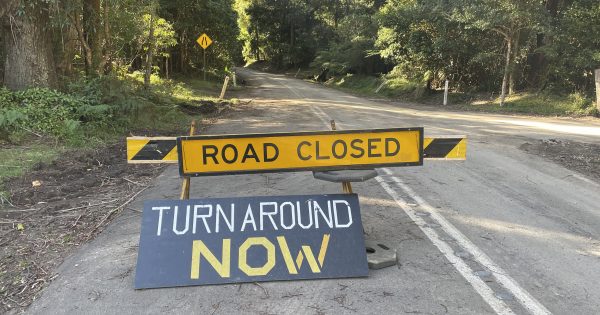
(153, 112)
(536, 104)
(543, 104)
(15, 160)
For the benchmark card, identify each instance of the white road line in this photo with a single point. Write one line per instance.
(589, 181)
(479, 285)
(321, 115)
(524, 298)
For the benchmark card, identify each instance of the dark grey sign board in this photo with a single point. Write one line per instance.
(249, 239)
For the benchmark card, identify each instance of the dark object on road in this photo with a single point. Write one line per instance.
(346, 175)
(323, 76)
(201, 107)
(380, 255)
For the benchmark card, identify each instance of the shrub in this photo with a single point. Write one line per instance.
(49, 112)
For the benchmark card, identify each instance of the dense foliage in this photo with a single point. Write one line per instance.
(480, 45)
(491, 47)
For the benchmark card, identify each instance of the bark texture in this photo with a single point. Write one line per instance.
(92, 32)
(507, 67)
(27, 42)
(150, 53)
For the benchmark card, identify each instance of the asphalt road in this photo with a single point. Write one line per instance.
(504, 232)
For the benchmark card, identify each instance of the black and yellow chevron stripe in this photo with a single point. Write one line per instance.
(164, 149)
(151, 150)
(445, 148)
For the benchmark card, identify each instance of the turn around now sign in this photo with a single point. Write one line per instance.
(279, 152)
(248, 239)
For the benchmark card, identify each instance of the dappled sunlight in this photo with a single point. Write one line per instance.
(481, 103)
(500, 121)
(591, 252)
(370, 201)
(532, 232)
(573, 129)
(582, 244)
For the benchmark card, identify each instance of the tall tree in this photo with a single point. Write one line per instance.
(150, 50)
(507, 18)
(190, 19)
(92, 32)
(29, 59)
(538, 61)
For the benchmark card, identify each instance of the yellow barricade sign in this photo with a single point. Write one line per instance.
(445, 148)
(279, 152)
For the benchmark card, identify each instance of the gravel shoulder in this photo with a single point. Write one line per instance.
(576, 156)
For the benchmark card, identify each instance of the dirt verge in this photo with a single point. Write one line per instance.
(577, 156)
(57, 207)
(63, 204)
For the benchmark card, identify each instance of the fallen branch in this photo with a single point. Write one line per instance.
(136, 183)
(20, 210)
(115, 210)
(31, 131)
(132, 209)
(81, 207)
(263, 288)
(4, 199)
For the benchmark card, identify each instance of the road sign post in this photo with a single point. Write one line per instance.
(597, 76)
(185, 186)
(446, 93)
(204, 41)
(224, 89)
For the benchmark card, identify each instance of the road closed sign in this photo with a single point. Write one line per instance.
(280, 152)
(249, 239)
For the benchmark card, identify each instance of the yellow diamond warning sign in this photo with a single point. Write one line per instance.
(278, 152)
(204, 41)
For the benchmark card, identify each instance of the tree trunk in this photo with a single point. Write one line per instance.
(64, 66)
(182, 53)
(539, 62)
(106, 60)
(506, 70)
(92, 34)
(513, 66)
(27, 44)
(256, 44)
(149, 54)
(167, 67)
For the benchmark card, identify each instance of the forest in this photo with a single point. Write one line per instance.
(91, 56)
(495, 46)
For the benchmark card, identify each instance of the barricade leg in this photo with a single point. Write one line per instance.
(185, 186)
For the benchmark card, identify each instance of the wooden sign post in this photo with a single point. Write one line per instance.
(597, 72)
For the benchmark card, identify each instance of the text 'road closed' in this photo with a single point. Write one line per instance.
(210, 241)
(211, 155)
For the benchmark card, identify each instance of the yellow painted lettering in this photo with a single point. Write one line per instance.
(287, 256)
(243, 259)
(307, 252)
(222, 268)
(323, 250)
